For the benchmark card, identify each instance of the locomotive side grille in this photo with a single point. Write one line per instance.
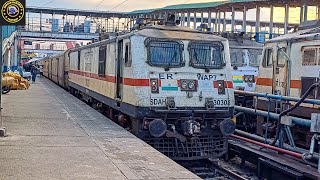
(194, 148)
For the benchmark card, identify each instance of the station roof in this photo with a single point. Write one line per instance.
(74, 12)
(226, 5)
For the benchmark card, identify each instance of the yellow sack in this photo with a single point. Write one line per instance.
(7, 81)
(22, 86)
(15, 84)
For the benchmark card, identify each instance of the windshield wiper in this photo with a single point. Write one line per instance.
(174, 56)
(199, 60)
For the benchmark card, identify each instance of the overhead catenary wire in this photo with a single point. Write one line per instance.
(48, 3)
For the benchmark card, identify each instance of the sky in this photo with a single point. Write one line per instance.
(131, 5)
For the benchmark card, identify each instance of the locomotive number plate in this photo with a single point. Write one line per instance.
(221, 102)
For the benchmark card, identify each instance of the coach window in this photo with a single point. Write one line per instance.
(127, 55)
(309, 57)
(267, 58)
(102, 61)
(79, 56)
(281, 57)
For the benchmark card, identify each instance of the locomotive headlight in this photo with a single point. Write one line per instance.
(154, 85)
(184, 85)
(249, 78)
(188, 85)
(221, 87)
(246, 78)
(191, 85)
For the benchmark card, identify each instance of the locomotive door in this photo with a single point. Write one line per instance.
(280, 70)
(119, 70)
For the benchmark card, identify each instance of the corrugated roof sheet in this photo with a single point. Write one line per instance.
(193, 6)
(144, 11)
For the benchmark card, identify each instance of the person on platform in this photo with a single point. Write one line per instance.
(41, 71)
(20, 70)
(34, 72)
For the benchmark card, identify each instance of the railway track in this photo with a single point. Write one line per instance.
(212, 168)
(219, 169)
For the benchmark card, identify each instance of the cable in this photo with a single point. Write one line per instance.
(279, 125)
(48, 3)
(99, 4)
(118, 5)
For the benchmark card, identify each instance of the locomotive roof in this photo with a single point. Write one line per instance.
(162, 32)
(175, 32)
(234, 42)
(307, 34)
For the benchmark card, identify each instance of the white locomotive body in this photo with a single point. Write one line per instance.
(245, 58)
(289, 67)
(170, 86)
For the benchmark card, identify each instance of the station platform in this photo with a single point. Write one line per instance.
(53, 135)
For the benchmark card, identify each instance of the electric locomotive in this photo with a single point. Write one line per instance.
(168, 85)
(290, 65)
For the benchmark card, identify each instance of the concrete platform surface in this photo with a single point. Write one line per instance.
(53, 135)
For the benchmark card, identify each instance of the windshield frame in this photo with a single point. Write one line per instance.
(180, 44)
(212, 44)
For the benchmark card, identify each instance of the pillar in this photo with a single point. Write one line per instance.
(41, 21)
(318, 12)
(183, 19)
(219, 21)
(107, 28)
(15, 55)
(257, 22)
(188, 19)
(271, 22)
(232, 19)
(201, 17)
(286, 19)
(209, 20)
(224, 22)
(28, 21)
(244, 24)
(216, 22)
(195, 20)
(301, 14)
(305, 7)
(78, 19)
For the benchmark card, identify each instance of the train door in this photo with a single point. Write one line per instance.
(280, 70)
(119, 70)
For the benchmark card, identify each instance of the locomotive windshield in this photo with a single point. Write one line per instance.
(255, 56)
(240, 56)
(237, 58)
(206, 55)
(165, 53)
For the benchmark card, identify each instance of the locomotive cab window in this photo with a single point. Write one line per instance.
(309, 57)
(102, 61)
(255, 57)
(207, 55)
(267, 58)
(164, 53)
(236, 56)
(281, 57)
(127, 55)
